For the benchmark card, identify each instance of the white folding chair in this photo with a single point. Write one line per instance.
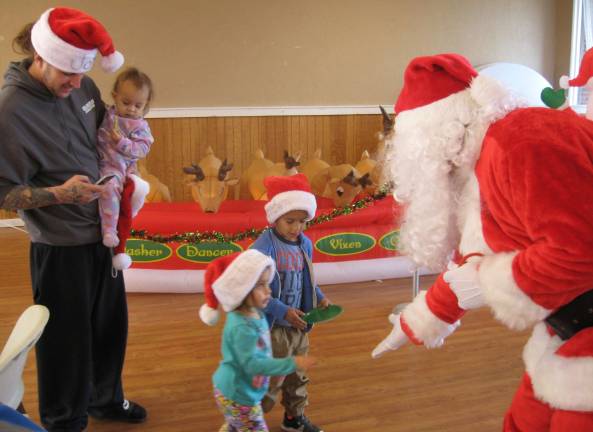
(25, 334)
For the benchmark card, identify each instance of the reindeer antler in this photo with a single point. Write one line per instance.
(196, 170)
(350, 179)
(388, 121)
(365, 180)
(224, 169)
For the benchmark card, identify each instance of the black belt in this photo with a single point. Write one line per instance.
(573, 317)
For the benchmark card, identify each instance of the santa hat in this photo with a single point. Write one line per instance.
(229, 279)
(68, 39)
(132, 198)
(289, 193)
(432, 78)
(585, 72)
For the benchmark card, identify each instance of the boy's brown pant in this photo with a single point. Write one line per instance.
(287, 342)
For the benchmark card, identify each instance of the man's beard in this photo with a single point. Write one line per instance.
(428, 232)
(430, 158)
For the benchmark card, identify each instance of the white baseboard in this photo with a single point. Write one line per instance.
(266, 111)
(9, 223)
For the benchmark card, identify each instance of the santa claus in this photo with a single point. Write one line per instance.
(500, 199)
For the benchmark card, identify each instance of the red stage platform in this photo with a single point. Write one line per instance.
(367, 237)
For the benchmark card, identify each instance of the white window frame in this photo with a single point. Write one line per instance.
(576, 51)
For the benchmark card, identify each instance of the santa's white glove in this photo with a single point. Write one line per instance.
(393, 341)
(464, 282)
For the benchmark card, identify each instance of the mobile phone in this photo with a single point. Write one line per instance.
(104, 179)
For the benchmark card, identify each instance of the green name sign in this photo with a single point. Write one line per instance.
(390, 240)
(345, 244)
(147, 251)
(206, 251)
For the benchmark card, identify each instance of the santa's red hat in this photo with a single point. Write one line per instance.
(68, 39)
(585, 72)
(230, 278)
(288, 193)
(432, 78)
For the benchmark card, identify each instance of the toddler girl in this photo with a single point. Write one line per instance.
(124, 137)
(240, 282)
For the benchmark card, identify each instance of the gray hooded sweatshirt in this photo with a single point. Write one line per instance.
(45, 140)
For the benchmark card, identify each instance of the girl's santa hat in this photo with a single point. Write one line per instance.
(585, 73)
(288, 193)
(230, 278)
(69, 39)
(132, 199)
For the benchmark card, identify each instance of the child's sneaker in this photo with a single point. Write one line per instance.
(298, 424)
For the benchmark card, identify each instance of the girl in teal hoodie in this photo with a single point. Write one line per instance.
(240, 283)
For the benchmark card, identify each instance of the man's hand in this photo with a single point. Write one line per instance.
(464, 282)
(324, 303)
(293, 316)
(77, 190)
(393, 341)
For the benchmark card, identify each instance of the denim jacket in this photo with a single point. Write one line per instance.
(311, 293)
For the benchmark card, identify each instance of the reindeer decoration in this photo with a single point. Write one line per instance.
(340, 183)
(252, 179)
(208, 181)
(158, 192)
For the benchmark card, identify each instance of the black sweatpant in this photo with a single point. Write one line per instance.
(80, 354)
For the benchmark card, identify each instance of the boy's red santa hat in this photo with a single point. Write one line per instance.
(288, 193)
(69, 39)
(230, 278)
(585, 73)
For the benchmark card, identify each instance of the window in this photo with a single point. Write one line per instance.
(582, 40)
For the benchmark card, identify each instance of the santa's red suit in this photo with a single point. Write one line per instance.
(518, 183)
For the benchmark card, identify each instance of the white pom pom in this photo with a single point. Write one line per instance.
(121, 261)
(112, 62)
(563, 81)
(208, 315)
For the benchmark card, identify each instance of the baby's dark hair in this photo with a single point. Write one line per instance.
(21, 44)
(139, 79)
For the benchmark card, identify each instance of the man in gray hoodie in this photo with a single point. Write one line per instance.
(49, 116)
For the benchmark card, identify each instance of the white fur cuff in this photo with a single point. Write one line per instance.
(510, 304)
(425, 325)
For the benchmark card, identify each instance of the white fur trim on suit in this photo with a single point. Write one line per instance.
(470, 220)
(287, 201)
(510, 304)
(239, 278)
(563, 382)
(57, 52)
(425, 325)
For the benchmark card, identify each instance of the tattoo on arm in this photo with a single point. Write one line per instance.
(25, 197)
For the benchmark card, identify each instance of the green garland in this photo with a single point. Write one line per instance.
(253, 233)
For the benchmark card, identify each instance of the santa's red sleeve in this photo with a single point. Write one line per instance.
(536, 183)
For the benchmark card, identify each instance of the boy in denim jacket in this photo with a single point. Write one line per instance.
(294, 291)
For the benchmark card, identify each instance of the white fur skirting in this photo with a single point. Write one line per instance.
(562, 382)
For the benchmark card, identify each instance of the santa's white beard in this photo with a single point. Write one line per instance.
(431, 156)
(428, 232)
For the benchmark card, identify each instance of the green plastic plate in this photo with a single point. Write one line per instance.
(321, 315)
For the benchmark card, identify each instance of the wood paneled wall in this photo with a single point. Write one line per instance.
(181, 141)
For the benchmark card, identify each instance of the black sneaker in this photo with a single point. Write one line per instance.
(127, 412)
(298, 424)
